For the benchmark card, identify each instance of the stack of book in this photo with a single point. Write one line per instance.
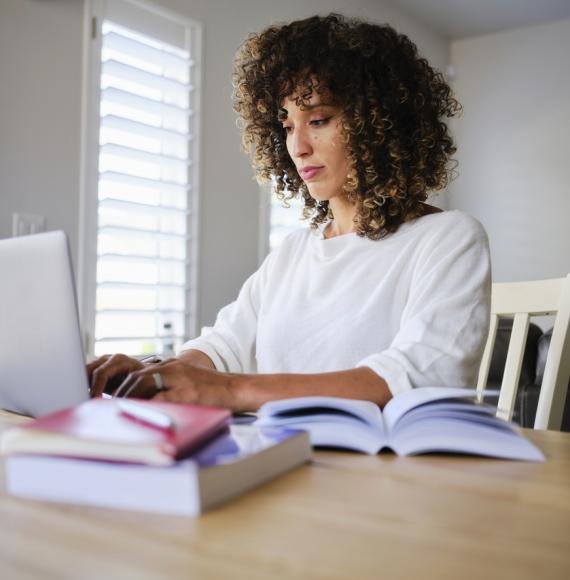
(145, 455)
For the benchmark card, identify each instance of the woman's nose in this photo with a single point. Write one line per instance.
(300, 145)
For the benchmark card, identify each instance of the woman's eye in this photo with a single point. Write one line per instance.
(320, 122)
(287, 128)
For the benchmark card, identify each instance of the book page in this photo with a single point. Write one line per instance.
(404, 402)
(324, 407)
(491, 438)
(330, 421)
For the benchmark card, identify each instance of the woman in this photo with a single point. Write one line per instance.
(383, 293)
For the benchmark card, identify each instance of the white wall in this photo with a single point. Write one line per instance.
(513, 146)
(40, 84)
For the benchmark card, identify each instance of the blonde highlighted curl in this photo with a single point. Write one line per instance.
(393, 107)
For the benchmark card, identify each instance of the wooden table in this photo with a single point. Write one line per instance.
(344, 516)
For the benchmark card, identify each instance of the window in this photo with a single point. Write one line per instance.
(143, 184)
(278, 221)
(284, 220)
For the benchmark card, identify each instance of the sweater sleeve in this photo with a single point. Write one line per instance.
(446, 318)
(231, 342)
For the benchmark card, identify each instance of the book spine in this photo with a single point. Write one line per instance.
(167, 490)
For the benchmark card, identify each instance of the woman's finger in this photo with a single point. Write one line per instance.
(96, 363)
(141, 388)
(142, 383)
(125, 386)
(115, 368)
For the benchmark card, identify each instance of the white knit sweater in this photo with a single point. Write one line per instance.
(414, 307)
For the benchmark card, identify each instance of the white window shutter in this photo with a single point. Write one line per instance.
(146, 181)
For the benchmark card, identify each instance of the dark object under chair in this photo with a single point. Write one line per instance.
(532, 371)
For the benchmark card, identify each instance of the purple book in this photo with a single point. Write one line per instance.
(239, 459)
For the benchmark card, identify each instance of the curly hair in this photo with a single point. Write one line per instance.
(392, 102)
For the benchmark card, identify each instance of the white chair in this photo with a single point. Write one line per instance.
(520, 300)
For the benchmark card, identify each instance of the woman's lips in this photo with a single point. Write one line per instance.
(310, 171)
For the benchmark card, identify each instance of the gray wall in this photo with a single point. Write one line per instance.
(40, 114)
(40, 111)
(514, 153)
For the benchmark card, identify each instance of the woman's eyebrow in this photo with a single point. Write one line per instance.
(283, 113)
(315, 106)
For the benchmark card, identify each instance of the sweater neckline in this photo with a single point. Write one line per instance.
(327, 248)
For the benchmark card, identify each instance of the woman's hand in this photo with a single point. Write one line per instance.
(107, 372)
(179, 382)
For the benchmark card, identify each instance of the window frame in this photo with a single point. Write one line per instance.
(265, 197)
(267, 202)
(94, 13)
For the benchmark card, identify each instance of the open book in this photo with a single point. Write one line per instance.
(423, 420)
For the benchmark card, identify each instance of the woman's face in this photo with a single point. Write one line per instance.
(315, 144)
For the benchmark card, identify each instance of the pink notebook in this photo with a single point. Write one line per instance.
(99, 429)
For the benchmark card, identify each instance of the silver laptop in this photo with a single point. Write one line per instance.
(42, 367)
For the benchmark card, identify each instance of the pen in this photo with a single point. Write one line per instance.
(145, 414)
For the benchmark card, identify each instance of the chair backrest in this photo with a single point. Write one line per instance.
(520, 300)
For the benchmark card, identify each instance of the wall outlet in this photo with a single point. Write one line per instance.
(24, 224)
